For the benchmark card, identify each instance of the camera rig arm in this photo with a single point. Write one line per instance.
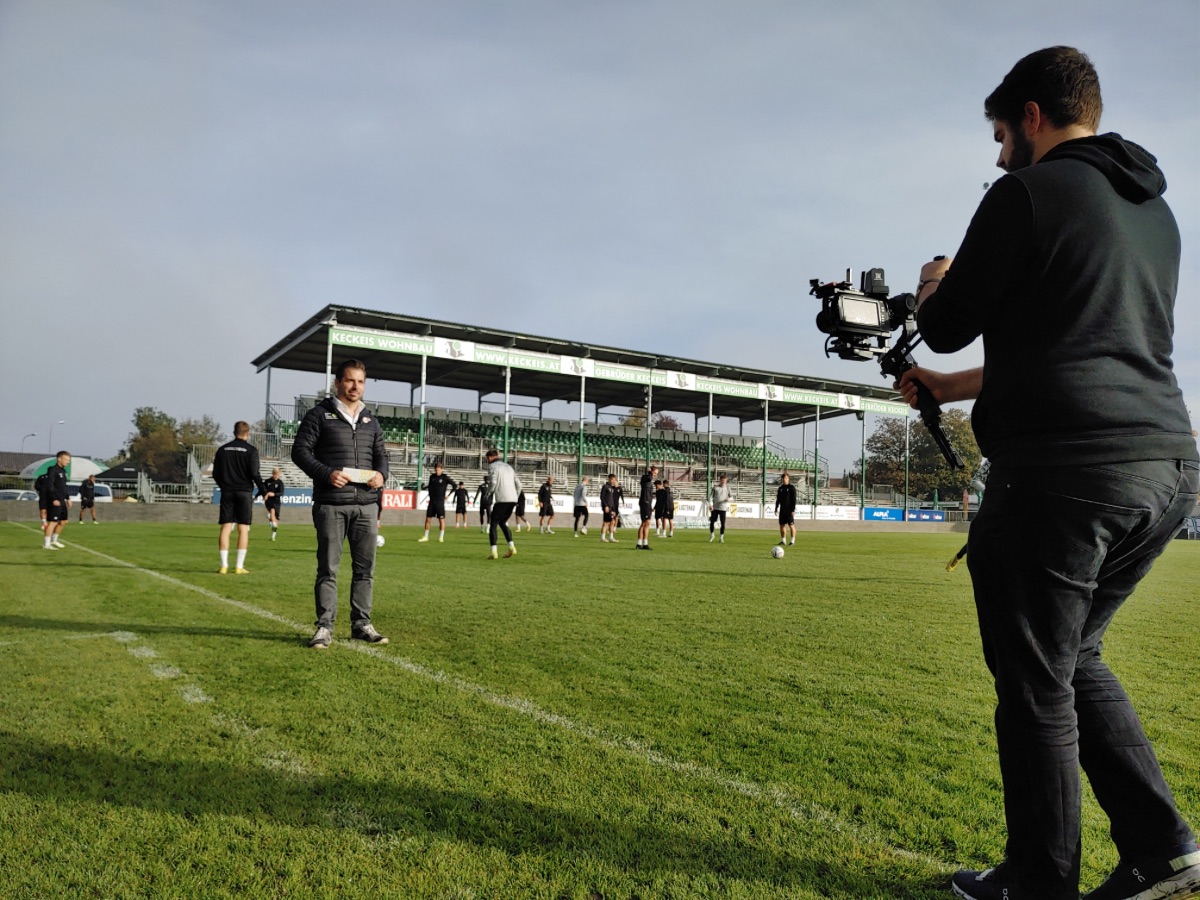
(899, 360)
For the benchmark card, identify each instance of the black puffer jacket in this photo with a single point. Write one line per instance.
(325, 442)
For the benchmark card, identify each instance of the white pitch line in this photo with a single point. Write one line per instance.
(777, 796)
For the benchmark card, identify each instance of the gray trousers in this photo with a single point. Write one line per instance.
(336, 524)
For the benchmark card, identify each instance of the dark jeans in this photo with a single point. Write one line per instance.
(1053, 554)
(499, 517)
(712, 520)
(336, 524)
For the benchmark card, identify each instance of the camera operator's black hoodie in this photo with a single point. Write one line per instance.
(1069, 271)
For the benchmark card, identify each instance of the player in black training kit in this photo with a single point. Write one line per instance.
(785, 506)
(460, 506)
(235, 470)
(483, 498)
(546, 504)
(646, 508)
(58, 501)
(668, 510)
(273, 499)
(439, 485)
(87, 498)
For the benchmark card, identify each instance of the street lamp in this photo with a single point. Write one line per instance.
(50, 445)
(27, 437)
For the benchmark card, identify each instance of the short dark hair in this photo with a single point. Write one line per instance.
(492, 453)
(241, 429)
(347, 364)
(1061, 80)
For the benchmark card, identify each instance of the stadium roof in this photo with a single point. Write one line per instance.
(473, 358)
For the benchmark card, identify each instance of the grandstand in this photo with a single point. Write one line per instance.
(503, 367)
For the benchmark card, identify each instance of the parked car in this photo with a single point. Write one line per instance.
(16, 494)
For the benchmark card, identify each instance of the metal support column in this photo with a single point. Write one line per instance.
(582, 398)
(907, 424)
(862, 466)
(421, 425)
(267, 408)
(507, 408)
(816, 460)
(708, 468)
(766, 419)
(649, 409)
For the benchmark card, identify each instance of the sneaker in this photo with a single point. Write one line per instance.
(493, 556)
(50, 547)
(512, 551)
(1159, 880)
(95, 521)
(577, 534)
(273, 533)
(583, 529)
(322, 639)
(782, 542)
(241, 571)
(721, 540)
(423, 540)
(711, 538)
(613, 540)
(368, 633)
(59, 544)
(223, 570)
(548, 531)
(990, 884)
(441, 539)
(647, 547)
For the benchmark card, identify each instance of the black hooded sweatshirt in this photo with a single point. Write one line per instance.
(1069, 270)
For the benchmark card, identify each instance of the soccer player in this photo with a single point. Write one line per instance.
(1069, 271)
(235, 470)
(785, 506)
(610, 508)
(340, 446)
(506, 489)
(658, 508)
(39, 485)
(668, 513)
(87, 498)
(483, 498)
(273, 499)
(646, 508)
(439, 485)
(58, 501)
(546, 504)
(460, 506)
(718, 505)
(581, 510)
(520, 512)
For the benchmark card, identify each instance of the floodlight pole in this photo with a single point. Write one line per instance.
(766, 419)
(421, 425)
(507, 406)
(907, 424)
(267, 408)
(708, 468)
(31, 434)
(862, 466)
(649, 405)
(582, 397)
(50, 443)
(816, 460)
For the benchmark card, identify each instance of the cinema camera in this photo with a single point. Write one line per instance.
(860, 325)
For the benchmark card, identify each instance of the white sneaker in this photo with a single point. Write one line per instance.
(584, 529)
(548, 531)
(58, 544)
(441, 538)
(711, 538)
(322, 639)
(423, 540)
(722, 540)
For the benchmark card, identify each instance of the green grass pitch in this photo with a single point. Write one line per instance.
(580, 721)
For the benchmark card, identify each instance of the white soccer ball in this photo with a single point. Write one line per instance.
(379, 541)
(777, 552)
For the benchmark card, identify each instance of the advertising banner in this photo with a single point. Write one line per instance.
(399, 499)
(883, 514)
(291, 497)
(927, 515)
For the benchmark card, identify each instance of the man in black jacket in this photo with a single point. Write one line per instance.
(87, 498)
(339, 444)
(546, 506)
(235, 470)
(646, 508)
(1069, 272)
(439, 485)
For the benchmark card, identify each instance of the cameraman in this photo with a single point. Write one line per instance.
(1069, 271)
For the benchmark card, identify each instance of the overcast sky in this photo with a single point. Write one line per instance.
(182, 183)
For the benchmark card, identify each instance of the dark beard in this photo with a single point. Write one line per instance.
(1022, 153)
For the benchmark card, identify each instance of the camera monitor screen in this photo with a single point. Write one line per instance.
(862, 311)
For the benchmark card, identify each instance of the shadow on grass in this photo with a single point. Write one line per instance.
(29, 623)
(49, 771)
